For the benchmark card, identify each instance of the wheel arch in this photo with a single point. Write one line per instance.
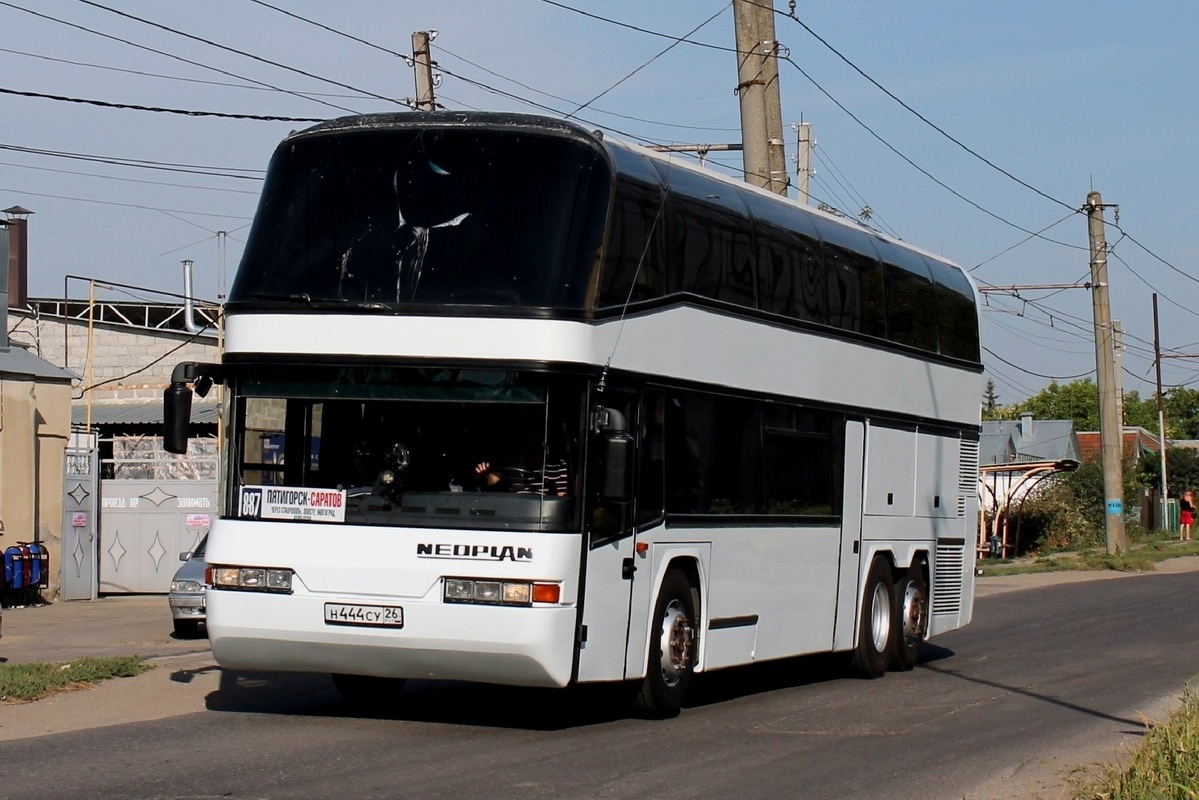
(688, 560)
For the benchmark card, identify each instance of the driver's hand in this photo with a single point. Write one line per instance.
(483, 470)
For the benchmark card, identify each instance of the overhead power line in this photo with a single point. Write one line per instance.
(912, 163)
(137, 163)
(169, 55)
(120, 205)
(127, 180)
(180, 78)
(445, 51)
(1026, 239)
(158, 109)
(835, 101)
(668, 48)
(242, 53)
(639, 29)
(992, 353)
(909, 108)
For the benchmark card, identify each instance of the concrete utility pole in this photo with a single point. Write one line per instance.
(1111, 432)
(765, 161)
(775, 148)
(422, 64)
(1118, 371)
(803, 159)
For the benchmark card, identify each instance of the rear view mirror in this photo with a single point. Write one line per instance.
(176, 417)
(177, 401)
(618, 456)
(618, 452)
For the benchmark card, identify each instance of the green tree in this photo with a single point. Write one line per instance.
(1138, 412)
(1182, 471)
(990, 399)
(1182, 413)
(1078, 401)
(1070, 512)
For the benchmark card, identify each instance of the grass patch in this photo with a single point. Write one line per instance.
(24, 683)
(1141, 557)
(1165, 766)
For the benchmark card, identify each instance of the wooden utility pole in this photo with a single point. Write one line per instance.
(764, 153)
(1111, 432)
(422, 65)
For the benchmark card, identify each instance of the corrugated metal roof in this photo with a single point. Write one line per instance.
(138, 412)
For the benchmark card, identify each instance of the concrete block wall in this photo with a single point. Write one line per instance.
(115, 353)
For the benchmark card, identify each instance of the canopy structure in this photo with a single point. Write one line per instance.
(1003, 488)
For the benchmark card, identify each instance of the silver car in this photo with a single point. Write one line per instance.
(187, 592)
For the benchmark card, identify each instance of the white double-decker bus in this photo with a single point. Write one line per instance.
(510, 402)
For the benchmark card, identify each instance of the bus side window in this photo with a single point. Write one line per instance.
(651, 446)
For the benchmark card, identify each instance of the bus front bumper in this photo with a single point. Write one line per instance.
(518, 646)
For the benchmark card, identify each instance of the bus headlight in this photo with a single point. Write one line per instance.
(251, 579)
(485, 591)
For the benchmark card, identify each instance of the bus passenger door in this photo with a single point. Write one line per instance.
(611, 478)
(851, 535)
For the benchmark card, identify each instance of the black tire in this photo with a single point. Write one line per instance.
(909, 619)
(673, 647)
(368, 691)
(875, 630)
(187, 629)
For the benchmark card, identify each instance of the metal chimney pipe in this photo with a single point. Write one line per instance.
(189, 308)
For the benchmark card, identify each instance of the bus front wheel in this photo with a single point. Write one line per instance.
(911, 619)
(873, 652)
(672, 648)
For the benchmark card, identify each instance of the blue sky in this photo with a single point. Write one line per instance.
(1064, 97)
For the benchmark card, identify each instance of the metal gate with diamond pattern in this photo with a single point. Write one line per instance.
(80, 520)
(145, 525)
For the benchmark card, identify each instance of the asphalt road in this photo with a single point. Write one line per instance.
(1038, 671)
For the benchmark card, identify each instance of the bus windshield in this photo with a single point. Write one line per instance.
(485, 449)
(397, 216)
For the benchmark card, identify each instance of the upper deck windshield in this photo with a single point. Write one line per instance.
(394, 216)
(408, 447)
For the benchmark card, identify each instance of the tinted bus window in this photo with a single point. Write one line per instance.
(957, 316)
(709, 238)
(428, 216)
(911, 300)
(855, 279)
(634, 258)
(801, 451)
(791, 273)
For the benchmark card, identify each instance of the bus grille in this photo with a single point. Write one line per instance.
(967, 474)
(947, 578)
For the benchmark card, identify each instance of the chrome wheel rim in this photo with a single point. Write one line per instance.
(915, 614)
(880, 617)
(675, 644)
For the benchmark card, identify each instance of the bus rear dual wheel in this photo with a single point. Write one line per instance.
(894, 620)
